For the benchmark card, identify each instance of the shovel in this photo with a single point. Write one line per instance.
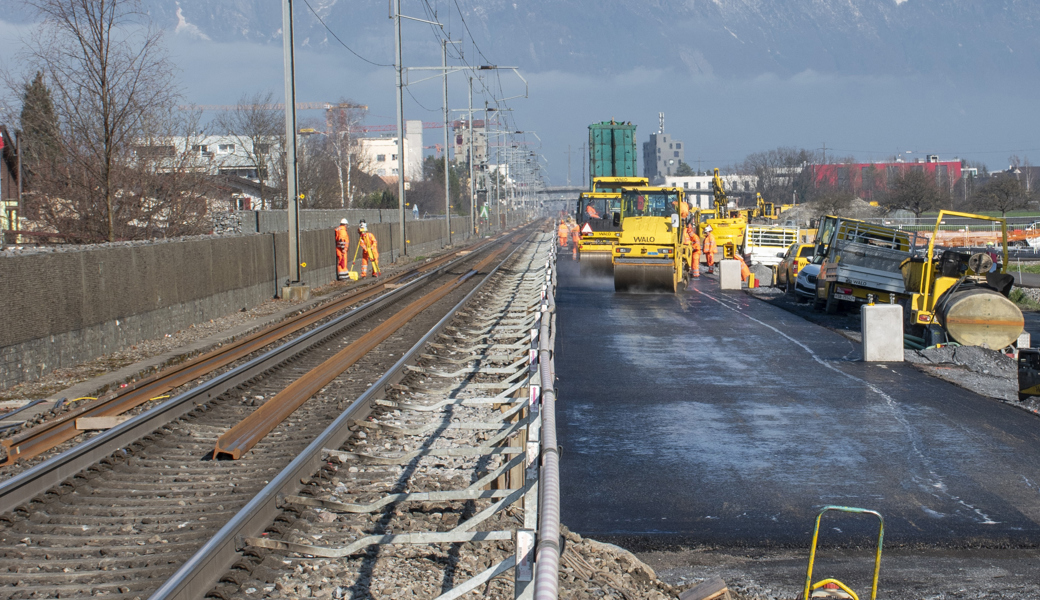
(352, 274)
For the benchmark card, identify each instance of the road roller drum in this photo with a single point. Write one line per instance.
(595, 264)
(656, 276)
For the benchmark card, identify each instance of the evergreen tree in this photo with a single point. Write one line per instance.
(40, 139)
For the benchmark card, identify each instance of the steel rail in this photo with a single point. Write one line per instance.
(50, 434)
(242, 437)
(23, 487)
(197, 577)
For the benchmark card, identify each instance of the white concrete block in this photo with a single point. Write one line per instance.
(882, 328)
(729, 274)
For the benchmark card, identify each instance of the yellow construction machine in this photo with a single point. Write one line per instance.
(728, 228)
(959, 296)
(599, 233)
(652, 252)
(616, 184)
(596, 221)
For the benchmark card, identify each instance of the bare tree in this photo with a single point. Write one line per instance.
(258, 126)
(1003, 192)
(107, 71)
(343, 122)
(782, 174)
(915, 191)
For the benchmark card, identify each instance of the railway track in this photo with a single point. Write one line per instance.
(23, 447)
(121, 513)
(436, 492)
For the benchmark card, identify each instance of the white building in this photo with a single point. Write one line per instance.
(460, 136)
(379, 155)
(698, 187)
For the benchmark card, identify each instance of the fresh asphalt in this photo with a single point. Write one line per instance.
(709, 417)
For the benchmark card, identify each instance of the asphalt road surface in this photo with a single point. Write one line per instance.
(714, 418)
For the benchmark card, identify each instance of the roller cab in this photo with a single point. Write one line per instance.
(961, 297)
(651, 253)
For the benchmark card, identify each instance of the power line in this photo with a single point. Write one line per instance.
(317, 16)
(420, 103)
(471, 38)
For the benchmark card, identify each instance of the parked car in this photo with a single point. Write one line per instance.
(796, 257)
(805, 282)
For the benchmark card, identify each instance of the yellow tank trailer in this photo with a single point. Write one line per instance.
(961, 297)
(652, 252)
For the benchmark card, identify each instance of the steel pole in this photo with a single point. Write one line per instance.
(400, 126)
(447, 169)
(472, 191)
(291, 166)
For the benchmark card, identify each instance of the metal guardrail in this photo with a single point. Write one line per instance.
(547, 559)
(927, 223)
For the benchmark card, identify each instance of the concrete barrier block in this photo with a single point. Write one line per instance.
(729, 274)
(882, 328)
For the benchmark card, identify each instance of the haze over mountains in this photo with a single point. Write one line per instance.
(867, 77)
(727, 38)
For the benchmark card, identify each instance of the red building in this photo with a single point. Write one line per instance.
(866, 179)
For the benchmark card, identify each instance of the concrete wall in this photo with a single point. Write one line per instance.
(69, 306)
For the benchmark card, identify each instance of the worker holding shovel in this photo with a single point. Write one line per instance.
(369, 250)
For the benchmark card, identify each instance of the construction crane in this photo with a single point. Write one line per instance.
(279, 106)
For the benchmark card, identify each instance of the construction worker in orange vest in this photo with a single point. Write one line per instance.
(710, 248)
(369, 250)
(591, 211)
(563, 232)
(745, 272)
(695, 244)
(575, 237)
(342, 244)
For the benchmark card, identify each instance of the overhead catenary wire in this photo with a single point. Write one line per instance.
(333, 33)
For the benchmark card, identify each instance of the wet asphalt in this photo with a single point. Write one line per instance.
(713, 418)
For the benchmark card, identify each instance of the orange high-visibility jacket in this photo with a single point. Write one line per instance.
(342, 238)
(589, 210)
(691, 239)
(369, 246)
(709, 243)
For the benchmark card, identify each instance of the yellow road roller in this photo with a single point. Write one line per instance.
(652, 252)
(599, 220)
(961, 296)
(599, 231)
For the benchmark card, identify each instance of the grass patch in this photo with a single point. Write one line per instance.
(1023, 267)
(1022, 300)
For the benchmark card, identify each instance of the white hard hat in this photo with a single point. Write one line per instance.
(707, 229)
(363, 226)
(343, 222)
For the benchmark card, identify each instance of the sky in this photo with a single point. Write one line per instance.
(720, 118)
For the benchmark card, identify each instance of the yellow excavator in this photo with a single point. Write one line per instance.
(652, 252)
(598, 230)
(961, 297)
(728, 229)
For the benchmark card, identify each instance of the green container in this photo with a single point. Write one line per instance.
(612, 150)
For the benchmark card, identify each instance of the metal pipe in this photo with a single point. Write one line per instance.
(547, 561)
